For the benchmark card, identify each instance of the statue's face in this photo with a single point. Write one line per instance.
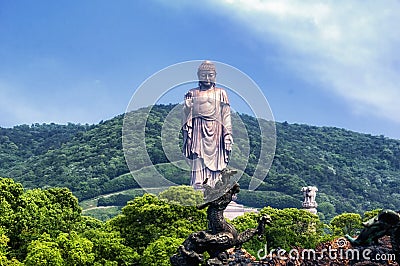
(207, 77)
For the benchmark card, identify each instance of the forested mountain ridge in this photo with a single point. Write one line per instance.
(22, 142)
(354, 172)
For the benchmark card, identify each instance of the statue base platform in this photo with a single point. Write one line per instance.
(312, 210)
(234, 210)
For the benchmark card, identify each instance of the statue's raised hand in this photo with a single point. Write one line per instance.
(189, 100)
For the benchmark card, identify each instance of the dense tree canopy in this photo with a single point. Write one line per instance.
(184, 195)
(46, 227)
(146, 218)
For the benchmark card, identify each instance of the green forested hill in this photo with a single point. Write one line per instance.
(354, 172)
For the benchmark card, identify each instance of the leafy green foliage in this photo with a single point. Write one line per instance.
(346, 223)
(260, 199)
(58, 156)
(292, 228)
(23, 142)
(289, 228)
(44, 251)
(184, 195)
(147, 218)
(51, 211)
(114, 200)
(327, 210)
(103, 213)
(159, 251)
(10, 191)
(370, 214)
(46, 227)
(4, 250)
(10, 194)
(75, 250)
(109, 247)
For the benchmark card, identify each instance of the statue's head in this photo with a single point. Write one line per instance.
(207, 74)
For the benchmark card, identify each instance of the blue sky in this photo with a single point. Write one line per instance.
(324, 63)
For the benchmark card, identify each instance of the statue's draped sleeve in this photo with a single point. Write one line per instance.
(187, 129)
(226, 121)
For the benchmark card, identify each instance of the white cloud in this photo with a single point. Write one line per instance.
(348, 47)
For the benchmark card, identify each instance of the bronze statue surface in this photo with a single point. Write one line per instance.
(207, 128)
(386, 223)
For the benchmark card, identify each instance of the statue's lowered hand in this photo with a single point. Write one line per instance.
(228, 142)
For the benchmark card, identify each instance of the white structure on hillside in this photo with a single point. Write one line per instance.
(309, 202)
(234, 210)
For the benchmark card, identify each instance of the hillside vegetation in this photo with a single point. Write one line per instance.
(354, 172)
(47, 227)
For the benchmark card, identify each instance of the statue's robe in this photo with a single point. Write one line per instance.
(204, 128)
